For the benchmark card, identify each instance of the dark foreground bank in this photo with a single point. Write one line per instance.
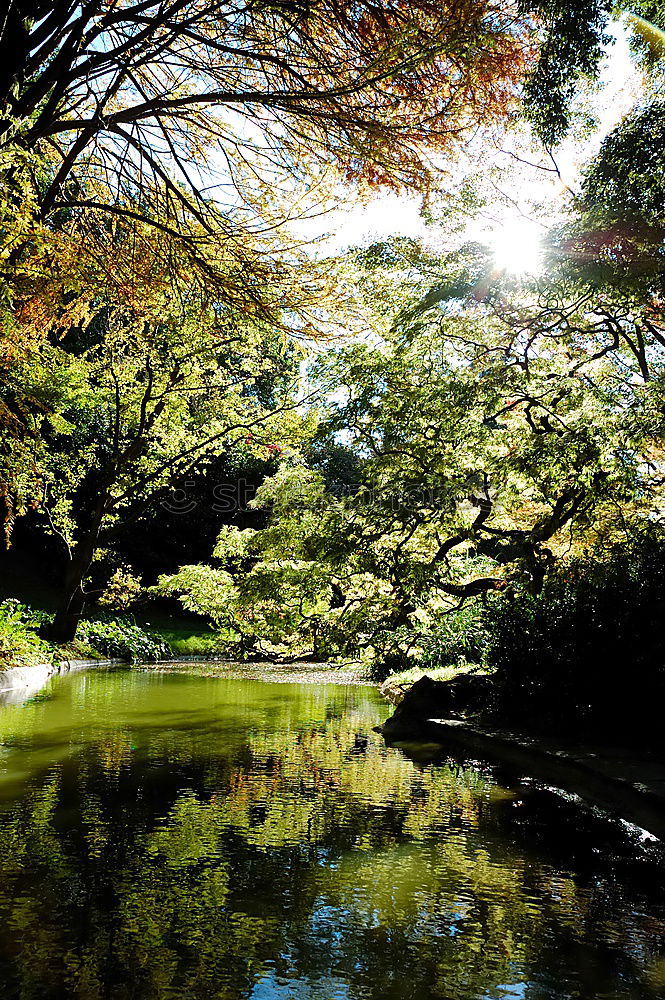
(627, 780)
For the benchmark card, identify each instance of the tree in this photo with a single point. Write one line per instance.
(571, 45)
(115, 116)
(497, 427)
(130, 395)
(613, 238)
(132, 98)
(627, 181)
(274, 591)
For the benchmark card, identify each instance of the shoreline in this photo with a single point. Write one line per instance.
(298, 672)
(626, 782)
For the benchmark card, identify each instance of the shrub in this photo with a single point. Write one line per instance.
(116, 637)
(122, 590)
(19, 641)
(456, 641)
(591, 647)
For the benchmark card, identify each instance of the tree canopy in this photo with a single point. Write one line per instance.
(450, 431)
(122, 94)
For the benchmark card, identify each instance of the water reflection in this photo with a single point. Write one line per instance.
(177, 837)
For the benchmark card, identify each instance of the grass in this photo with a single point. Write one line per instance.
(186, 634)
(408, 677)
(195, 645)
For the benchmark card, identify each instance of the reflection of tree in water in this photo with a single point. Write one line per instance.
(308, 853)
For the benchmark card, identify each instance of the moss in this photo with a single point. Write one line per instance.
(407, 677)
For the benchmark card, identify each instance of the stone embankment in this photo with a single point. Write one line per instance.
(19, 683)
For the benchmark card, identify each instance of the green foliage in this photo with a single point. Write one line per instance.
(19, 642)
(405, 678)
(627, 179)
(456, 639)
(130, 399)
(123, 639)
(571, 44)
(262, 598)
(495, 427)
(590, 648)
(122, 590)
(208, 644)
(647, 20)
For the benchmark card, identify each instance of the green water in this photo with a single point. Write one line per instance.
(188, 837)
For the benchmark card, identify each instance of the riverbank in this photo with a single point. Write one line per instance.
(625, 781)
(22, 641)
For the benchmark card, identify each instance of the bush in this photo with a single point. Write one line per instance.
(21, 645)
(123, 639)
(590, 649)
(19, 641)
(456, 642)
(460, 638)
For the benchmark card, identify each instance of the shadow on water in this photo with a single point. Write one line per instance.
(183, 837)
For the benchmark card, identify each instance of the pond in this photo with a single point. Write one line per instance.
(178, 836)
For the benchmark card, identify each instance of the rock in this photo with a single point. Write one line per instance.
(394, 693)
(429, 699)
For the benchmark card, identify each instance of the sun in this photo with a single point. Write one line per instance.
(517, 247)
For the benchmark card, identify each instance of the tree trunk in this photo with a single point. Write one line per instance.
(66, 619)
(68, 614)
(16, 22)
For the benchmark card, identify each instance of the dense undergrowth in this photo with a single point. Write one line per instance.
(22, 645)
(590, 649)
(585, 654)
